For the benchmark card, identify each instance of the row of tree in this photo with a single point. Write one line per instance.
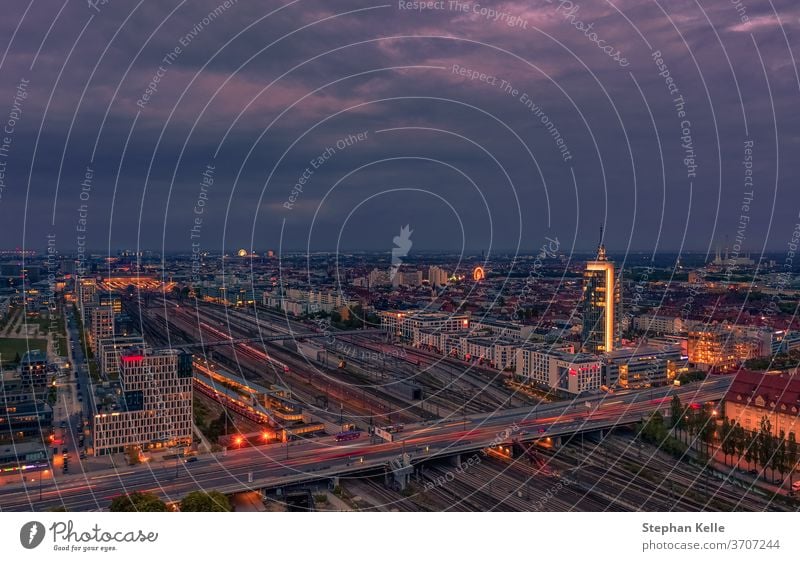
(779, 453)
(196, 501)
(695, 422)
(778, 361)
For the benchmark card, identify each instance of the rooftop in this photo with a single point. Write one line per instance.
(643, 350)
(34, 355)
(779, 389)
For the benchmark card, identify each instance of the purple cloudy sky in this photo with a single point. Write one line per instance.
(260, 89)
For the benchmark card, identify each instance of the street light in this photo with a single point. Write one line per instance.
(45, 472)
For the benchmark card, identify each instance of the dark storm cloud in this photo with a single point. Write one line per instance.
(240, 95)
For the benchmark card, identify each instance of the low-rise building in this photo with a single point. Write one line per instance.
(453, 343)
(721, 347)
(500, 328)
(505, 353)
(480, 349)
(559, 369)
(24, 419)
(17, 388)
(404, 324)
(33, 370)
(755, 395)
(642, 366)
(658, 324)
(302, 302)
(23, 457)
(430, 339)
(788, 342)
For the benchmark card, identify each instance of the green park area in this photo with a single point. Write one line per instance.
(11, 349)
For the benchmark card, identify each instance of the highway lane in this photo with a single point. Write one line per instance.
(320, 458)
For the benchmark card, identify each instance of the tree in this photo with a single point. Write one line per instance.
(778, 462)
(134, 457)
(739, 440)
(751, 445)
(727, 445)
(675, 412)
(138, 502)
(765, 444)
(691, 426)
(699, 425)
(201, 501)
(217, 427)
(707, 428)
(791, 456)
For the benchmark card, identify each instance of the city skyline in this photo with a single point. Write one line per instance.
(153, 353)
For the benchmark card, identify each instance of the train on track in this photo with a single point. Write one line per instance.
(347, 435)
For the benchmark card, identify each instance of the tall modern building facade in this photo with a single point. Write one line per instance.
(602, 305)
(102, 325)
(437, 276)
(151, 407)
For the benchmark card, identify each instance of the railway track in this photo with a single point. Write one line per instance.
(451, 388)
(306, 388)
(717, 493)
(390, 500)
(551, 496)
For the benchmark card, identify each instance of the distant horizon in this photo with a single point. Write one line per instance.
(259, 252)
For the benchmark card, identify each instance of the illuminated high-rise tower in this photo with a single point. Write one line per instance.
(602, 304)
